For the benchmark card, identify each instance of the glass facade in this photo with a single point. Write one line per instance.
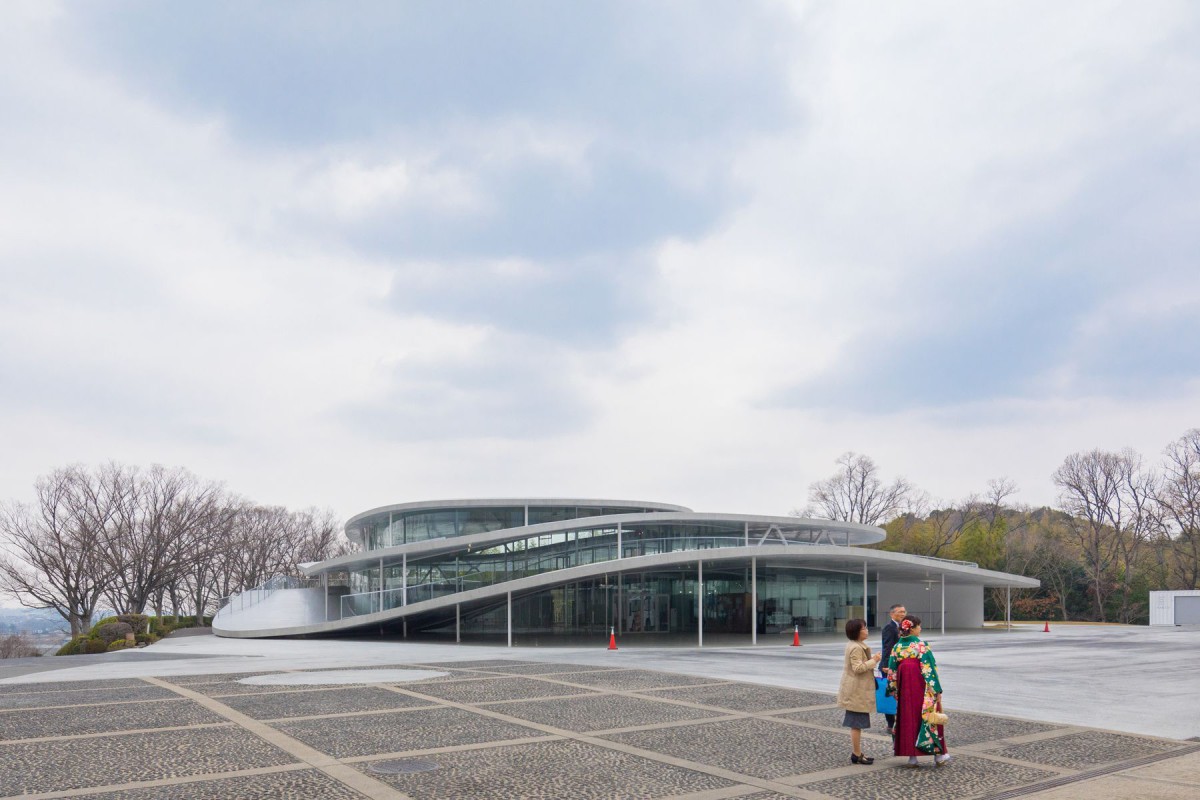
(403, 527)
(666, 602)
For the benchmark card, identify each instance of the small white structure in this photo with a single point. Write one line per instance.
(1180, 607)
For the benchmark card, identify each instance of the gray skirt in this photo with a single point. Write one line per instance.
(856, 719)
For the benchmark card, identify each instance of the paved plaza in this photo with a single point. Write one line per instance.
(207, 718)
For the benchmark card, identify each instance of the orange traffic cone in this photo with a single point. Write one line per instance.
(612, 639)
(1047, 628)
(796, 637)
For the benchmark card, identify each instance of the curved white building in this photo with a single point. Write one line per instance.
(473, 569)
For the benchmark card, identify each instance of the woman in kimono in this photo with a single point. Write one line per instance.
(918, 691)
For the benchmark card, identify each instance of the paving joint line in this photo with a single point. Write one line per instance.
(1095, 772)
(342, 773)
(73, 737)
(650, 755)
(177, 781)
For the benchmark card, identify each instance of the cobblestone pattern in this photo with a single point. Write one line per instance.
(832, 718)
(749, 746)
(405, 730)
(482, 664)
(962, 778)
(63, 686)
(630, 679)
(304, 784)
(192, 680)
(547, 669)
(100, 761)
(101, 719)
(746, 697)
(604, 712)
(965, 728)
(230, 688)
(85, 697)
(1084, 750)
(550, 770)
(329, 701)
(491, 689)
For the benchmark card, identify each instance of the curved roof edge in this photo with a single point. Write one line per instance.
(498, 502)
(855, 533)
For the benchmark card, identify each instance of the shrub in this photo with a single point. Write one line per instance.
(112, 631)
(73, 647)
(92, 646)
(105, 621)
(119, 644)
(136, 621)
(146, 638)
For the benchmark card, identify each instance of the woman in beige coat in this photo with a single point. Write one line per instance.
(857, 691)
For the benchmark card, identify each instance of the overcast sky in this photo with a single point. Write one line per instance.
(352, 254)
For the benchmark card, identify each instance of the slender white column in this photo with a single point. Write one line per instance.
(457, 622)
(510, 619)
(943, 604)
(404, 579)
(700, 603)
(753, 597)
(620, 549)
(746, 534)
(866, 600)
(325, 584)
(1008, 606)
(380, 585)
(618, 611)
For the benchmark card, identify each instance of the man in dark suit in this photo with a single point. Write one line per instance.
(891, 633)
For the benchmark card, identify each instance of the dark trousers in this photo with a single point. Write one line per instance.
(891, 720)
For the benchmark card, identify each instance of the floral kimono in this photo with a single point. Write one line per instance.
(915, 685)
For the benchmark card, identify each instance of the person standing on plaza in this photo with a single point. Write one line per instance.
(856, 694)
(918, 690)
(891, 632)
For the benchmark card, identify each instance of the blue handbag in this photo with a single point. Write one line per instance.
(883, 703)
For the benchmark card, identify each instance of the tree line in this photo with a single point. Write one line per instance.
(136, 539)
(1121, 527)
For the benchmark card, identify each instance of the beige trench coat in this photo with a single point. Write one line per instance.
(857, 691)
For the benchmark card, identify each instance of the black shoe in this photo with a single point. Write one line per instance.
(864, 760)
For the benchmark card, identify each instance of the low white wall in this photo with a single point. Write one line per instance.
(964, 604)
(284, 608)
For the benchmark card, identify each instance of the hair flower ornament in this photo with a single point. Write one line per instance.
(906, 626)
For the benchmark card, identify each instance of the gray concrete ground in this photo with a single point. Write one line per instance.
(1094, 712)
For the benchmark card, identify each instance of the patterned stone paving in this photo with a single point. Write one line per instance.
(1084, 750)
(298, 784)
(191, 680)
(558, 769)
(746, 697)
(630, 679)
(400, 731)
(85, 697)
(81, 741)
(964, 777)
(103, 719)
(750, 746)
(547, 669)
(832, 718)
(102, 761)
(598, 713)
(280, 705)
(492, 689)
(965, 729)
(63, 686)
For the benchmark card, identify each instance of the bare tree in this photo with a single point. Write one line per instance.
(53, 550)
(162, 522)
(1111, 498)
(1180, 502)
(856, 493)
